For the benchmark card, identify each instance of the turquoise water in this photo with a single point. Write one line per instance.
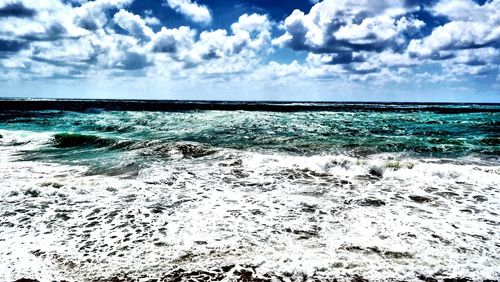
(309, 196)
(413, 133)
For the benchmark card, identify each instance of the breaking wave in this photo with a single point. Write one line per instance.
(249, 196)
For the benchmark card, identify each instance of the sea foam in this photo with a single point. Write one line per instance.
(276, 215)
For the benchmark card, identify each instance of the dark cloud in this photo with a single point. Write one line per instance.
(476, 62)
(172, 40)
(333, 45)
(211, 54)
(165, 46)
(12, 45)
(133, 61)
(439, 56)
(87, 23)
(55, 31)
(16, 9)
(344, 58)
(352, 69)
(78, 64)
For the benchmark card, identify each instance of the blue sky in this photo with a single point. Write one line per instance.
(330, 50)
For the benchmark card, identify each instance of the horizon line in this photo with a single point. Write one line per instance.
(278, 102)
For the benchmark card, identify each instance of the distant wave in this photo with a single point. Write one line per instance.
(276, 106)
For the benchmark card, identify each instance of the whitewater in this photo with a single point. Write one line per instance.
(249, 196)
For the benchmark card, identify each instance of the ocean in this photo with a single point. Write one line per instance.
(227, 191)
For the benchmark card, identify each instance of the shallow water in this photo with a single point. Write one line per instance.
(233, 195)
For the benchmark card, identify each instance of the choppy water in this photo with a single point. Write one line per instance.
(240, 195)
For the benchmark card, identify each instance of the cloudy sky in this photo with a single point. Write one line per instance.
(357, 50)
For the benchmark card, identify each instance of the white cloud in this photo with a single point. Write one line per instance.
(379, 40)
(467, 10)
(455, 36)
(338, 26)
(472, 26)
(51, 20)
(123, 53)
(217, 51)
(251, 34)
(92, 15)
(192, 10)
(480, 56)
(150, 19)
(355, 40)
(173, 40)
(86, 43)
(64, 41)
(133, 24)
(345, 41)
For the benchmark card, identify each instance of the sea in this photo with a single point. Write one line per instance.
(249, 191)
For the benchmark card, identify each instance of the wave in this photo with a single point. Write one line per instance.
(24, 139)
(289, 216)
(161, 147)
(69, 140)
(492, 141)
(422, 134)
(147, 147)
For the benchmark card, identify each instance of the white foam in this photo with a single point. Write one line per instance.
(282, 213)
(24, 139)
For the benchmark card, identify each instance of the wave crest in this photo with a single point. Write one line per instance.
(70, 140)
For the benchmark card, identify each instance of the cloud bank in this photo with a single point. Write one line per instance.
(336, 41)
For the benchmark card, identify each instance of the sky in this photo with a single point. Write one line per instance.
(295, 50)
